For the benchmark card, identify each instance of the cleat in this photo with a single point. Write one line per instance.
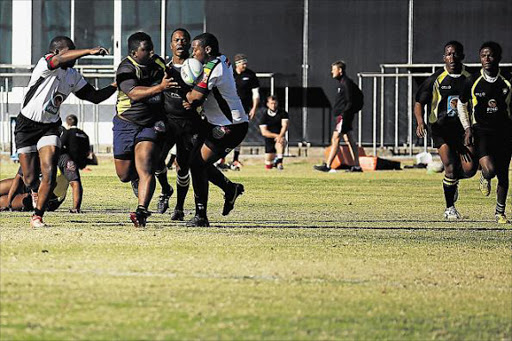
(229, 198)
(34, 196)
(135, 187)
(139, 218)
(355, 169)
(279, 166)
(485, 186)
(451, 213)
(37, 221)
(332, 171)
(322, 168)
(177, 215)
(501, 218)
(198, 221)
(235, 165)
(163, 202)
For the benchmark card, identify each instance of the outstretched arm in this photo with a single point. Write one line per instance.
(61, 58)
(89, 93)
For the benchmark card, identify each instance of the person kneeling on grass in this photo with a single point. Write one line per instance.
(273, 126)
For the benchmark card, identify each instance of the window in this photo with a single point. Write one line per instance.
(6, 31)
(94, 24)
(141, 15)
(187, 14)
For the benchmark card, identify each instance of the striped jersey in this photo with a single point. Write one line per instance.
(441, 92)
(47, 89)
(222, 105)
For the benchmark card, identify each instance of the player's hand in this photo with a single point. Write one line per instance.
(168, 83)
(99, 51)
(421, 130)
(252, 113)
(114, 84)
(187, 105)
(468, 137)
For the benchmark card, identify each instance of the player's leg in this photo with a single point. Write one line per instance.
(270, 152)
(29, 163)
(198, 169)
(502, 157)
(161, 176)
(335, 145)
(354, 151)
(20, 202)
(269, 160)
(449, 159)
(280, 147)
(468, 162)
(184, 147)
(236, 164)
(69, 169)
(5, 186)
(483, 144)
(48, 157)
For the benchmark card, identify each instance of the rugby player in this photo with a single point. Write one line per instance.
(139, 127)
(488, 123)
(440, 93)
(273, 126)
(38, 124)
(226, 127)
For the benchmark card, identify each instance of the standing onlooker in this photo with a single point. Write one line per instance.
(247, 86)
(273, 126)
(38, 124)
(139, 127)
(226, 127)
(488, 93)
(349, 100)
(440, 93)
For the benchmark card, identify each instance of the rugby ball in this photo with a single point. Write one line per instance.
(191, 70)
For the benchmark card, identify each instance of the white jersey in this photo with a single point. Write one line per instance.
(47, 90)
(222, 105)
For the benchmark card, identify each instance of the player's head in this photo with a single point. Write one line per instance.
(240, 62)
(490, 55)
(453, 56)
(61, 44)
(272, 102)
(140, 47)
(71, 120)
(180, 43)
(205, 46)
(338, 69)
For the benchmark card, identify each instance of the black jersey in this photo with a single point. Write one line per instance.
(349, 98)
(131, 74)
(75, 143)
(489, 102)
(245, 82)
(273, 119)
(173, 98)
(441, 92)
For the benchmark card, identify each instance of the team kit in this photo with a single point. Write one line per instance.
(191, 103)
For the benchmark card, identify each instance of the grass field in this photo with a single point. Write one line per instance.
(304, 255)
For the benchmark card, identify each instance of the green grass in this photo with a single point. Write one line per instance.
(304, 255)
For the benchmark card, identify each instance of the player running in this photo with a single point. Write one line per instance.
(38, 124)
(440, 93)
(226, 128)
(488, 123)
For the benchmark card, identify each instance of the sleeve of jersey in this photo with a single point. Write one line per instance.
(465, 96)
(80, 82)
(285, 115)
(126, 79)
(424, 92)
(255, 82)
(49, 61)
(210, 76)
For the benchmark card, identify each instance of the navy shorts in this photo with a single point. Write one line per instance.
(128, 134)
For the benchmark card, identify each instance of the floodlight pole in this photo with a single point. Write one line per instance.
(305, 67)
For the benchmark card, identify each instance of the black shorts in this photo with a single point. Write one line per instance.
(450, 133)
(496, 144)
(270, 145)
(223, 139)
(127, 134)
(69, 168)
(344, 122)
(28, 133)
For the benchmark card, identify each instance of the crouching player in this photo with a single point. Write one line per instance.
(487, 93)
(440, 93)
(273, 126)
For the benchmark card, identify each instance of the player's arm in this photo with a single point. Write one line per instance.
(129, 85)
(418, 114)
(284, 128)
(78, 191)
(255, 102)
(89, 93)
(462, 109)
(267, 133)
(422, 98)
(15, 187)
(61, 58)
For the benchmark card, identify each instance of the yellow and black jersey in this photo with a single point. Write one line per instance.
(489, 101)
(440, 92)
(131, 74)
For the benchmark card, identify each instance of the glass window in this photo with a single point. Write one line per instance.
(6, 31)
(50, 18)
(141, 15)
(94, 24)
(187, 14)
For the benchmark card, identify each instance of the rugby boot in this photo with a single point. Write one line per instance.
(230, 197)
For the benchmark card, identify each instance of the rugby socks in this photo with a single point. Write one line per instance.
(279, 159)
(450, 187)
(171, 161)
(218, 179)
(162, 180)
(269, 164)
(182, 185)
(500, 208)
(38, 212)
(200, 184)
(236, 154)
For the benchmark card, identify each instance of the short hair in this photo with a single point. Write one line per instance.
(240, 56)
(185, 32)
(60, 42)
(272, 98)
(494, 46)
(341, 64)
(208, 39)
(72, 120)
(135, 39)
(458, 46)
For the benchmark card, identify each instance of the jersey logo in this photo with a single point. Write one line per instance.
(54, 103)
(451, 110)
(446, 87)
(492, 106)
(480, 94)
(505, 91)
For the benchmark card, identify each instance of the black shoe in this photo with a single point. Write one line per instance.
(135, 187)
(163, 202)
(322, 168)
(230, 197)
(177, 215)
(139, 217)
(198, 221)
(355, 169)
